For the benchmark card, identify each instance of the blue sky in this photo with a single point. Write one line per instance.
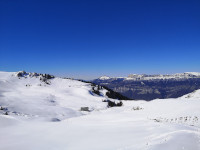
(88, 39)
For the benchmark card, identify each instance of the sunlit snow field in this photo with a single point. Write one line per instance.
(47, 117)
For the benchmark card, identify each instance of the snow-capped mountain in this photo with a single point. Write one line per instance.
(138, 77)
(40, 111)
(104, 78)
(149, 87)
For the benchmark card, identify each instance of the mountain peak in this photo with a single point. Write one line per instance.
(104, 78)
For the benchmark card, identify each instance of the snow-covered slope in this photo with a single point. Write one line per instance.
(168, 124)
(193, 95)
(32, 96)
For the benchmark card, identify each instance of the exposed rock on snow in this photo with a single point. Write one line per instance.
(85, 109)
(25, 74)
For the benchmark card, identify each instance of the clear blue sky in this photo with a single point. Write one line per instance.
(87, 39)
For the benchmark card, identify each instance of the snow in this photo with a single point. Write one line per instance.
(32, 98)
(193, 73)
(104, 78)
(167, 124)
(177, 76)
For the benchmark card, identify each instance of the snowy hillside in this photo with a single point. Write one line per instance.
(45, 114)
(30, 95)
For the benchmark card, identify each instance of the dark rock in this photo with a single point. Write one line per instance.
(55, 120)
(85, 109)
(114, 104)
(21, 74)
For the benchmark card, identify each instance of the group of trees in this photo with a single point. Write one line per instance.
(4, 109)
(114, 104)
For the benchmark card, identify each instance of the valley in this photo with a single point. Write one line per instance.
(149, 87)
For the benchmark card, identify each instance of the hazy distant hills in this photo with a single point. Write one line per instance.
(149, 87)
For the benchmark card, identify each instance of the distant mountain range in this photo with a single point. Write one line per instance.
(149, 87)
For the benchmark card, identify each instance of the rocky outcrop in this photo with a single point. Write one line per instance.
(43, 77)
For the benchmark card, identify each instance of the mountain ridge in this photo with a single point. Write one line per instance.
(149, 87)
(185, 75)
